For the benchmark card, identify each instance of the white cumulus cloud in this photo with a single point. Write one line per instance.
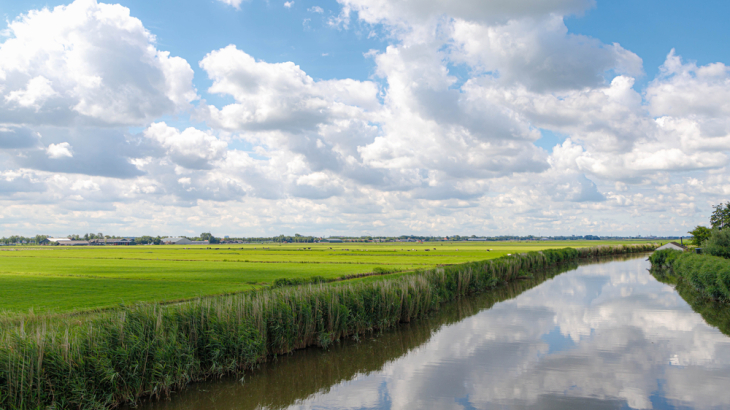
(91, 63)
(234, 3)
(62, 150)
(190, 148)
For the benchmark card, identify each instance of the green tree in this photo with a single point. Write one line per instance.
(700, 234)
(207, 236)
(719, 243)
(720, 216)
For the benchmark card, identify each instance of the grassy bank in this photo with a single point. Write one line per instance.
(709, 275)
(119, 356)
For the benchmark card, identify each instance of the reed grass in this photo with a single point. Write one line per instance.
(148, 350)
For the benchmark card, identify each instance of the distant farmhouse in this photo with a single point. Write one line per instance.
(68, 242)
(112, 241)
(478, 239)
(107, 241)
(673, 245)
(332, 240)
(183, 241)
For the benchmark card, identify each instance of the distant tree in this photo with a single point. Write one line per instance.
(144, 240)
(720, 216)
(207, 236)
(700, 235)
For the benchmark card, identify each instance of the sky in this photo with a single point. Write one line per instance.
(363, 117)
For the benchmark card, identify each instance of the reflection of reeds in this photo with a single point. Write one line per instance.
(147, 350)
(696, 278)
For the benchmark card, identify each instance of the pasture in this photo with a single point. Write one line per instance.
(65, 279)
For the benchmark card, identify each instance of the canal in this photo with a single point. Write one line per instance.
(603, 335)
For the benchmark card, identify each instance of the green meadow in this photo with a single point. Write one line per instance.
(65, 279)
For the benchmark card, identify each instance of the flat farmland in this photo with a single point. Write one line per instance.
(63, 279)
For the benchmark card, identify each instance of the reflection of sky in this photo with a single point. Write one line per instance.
(556, 341)
(603, 336)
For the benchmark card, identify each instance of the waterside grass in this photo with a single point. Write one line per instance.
(104, 360)
(708, 274)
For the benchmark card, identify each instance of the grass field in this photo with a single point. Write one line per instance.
(61, 279)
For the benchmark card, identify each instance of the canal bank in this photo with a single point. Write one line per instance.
(602, 336)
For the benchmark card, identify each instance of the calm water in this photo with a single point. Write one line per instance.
(602, 336)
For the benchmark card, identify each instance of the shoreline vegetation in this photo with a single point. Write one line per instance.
(703, 281)
(708, 274)
(148, 350)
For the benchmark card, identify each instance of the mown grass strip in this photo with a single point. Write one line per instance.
(119, 356)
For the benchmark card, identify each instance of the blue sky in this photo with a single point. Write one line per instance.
(271, 32)
(364, 116)
(651, 28)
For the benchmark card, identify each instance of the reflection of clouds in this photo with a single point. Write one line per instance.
(596, 337)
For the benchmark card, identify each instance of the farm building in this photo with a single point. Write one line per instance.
(183, 241)
(673, 245)
(332, 240)
(176, 241)
(112, 241)
(73, 243)
(68, 242)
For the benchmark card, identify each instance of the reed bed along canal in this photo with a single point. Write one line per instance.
(604, 335)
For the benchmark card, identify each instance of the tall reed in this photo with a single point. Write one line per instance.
(115, 357)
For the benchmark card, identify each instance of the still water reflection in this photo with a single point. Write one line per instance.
(606, 335)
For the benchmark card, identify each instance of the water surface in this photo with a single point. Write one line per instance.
(602, 336)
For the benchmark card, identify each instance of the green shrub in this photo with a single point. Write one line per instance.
(283, 282)
(664, 258)
(708, 274)
(719, 243)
